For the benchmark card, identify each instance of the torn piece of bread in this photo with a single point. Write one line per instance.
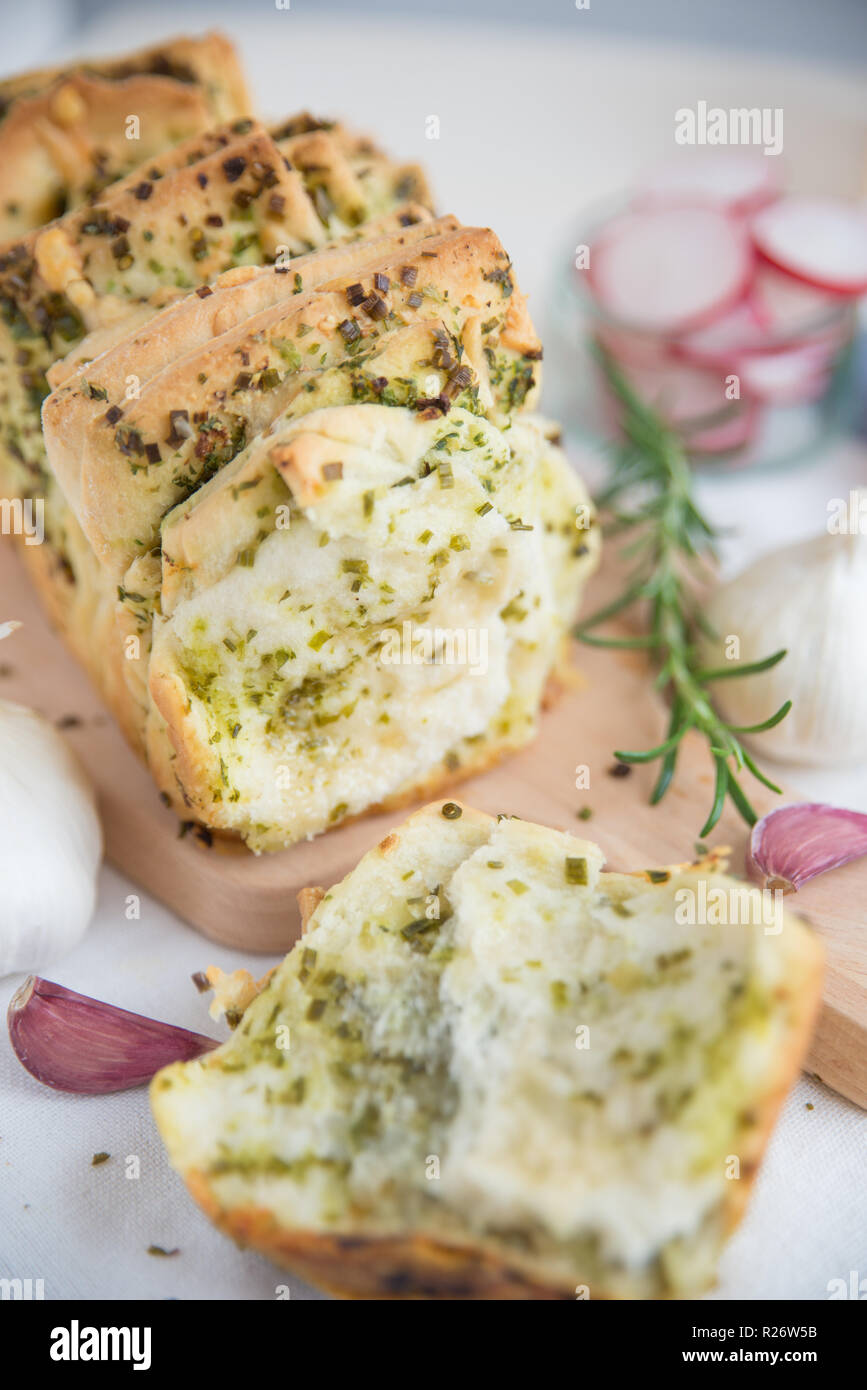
(65, 133)
(491, 1070)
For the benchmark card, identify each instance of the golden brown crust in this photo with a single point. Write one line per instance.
(84, 616)
(802, 993)
(207, 60)
(80, 274)
(115, 504)
(57, 146)
(308, 900)
(66, 133)
(177, 331)
(375, 1267)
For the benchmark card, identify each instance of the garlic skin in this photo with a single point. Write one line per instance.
(793, 844)
(810, 599)
(50, 843)
(83, 1045)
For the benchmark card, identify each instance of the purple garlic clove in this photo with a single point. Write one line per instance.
(791, 845)
(74, 1043)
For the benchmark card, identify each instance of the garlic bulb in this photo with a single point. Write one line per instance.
(50, 842)
(810, 599)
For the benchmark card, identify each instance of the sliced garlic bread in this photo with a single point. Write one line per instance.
(123, 472)
(99, 275)
(295, 430)
(364, 604)
(491, 1070)
(65, 133)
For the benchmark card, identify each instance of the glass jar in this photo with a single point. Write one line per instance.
(764, 383)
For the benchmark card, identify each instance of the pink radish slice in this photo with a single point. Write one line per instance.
(670, 269)
(680, 392)
(727, 436)
(632, 349)
(734, 181)
(821, 241)
(788, 306)
(743, 327)
(791, 377)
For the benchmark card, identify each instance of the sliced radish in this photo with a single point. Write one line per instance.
(670, 269)
(791, 377)
(789, 307)
(821, 241)
(735, 181)
(730, 434)
(633, 349)
(680, 392)
(744, 327)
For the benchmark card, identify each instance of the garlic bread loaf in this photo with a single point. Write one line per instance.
(65, 133)
(491, 1070)
(68, 291)
(199, 398)
(345, 552)
(209, 373)
(208, 61)
(220, 200)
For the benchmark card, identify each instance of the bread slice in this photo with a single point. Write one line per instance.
(65, 133)
(363, 604)
(409, 362)
(208, 61)
(175, 225)
(264, 290)
(219, 200)
(122, 474)
(99, 275)
(491, 1070)
(377, 181)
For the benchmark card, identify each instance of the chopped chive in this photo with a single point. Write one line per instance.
(576, 870)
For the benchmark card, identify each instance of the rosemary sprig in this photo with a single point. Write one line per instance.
(653, 479)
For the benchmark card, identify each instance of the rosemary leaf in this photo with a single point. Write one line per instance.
(650, 492)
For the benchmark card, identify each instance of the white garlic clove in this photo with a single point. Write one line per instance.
(809, 599)
(50, 843)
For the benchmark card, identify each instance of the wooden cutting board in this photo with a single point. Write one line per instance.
(247, 902)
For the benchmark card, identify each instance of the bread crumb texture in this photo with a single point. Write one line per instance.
(490, 1069)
